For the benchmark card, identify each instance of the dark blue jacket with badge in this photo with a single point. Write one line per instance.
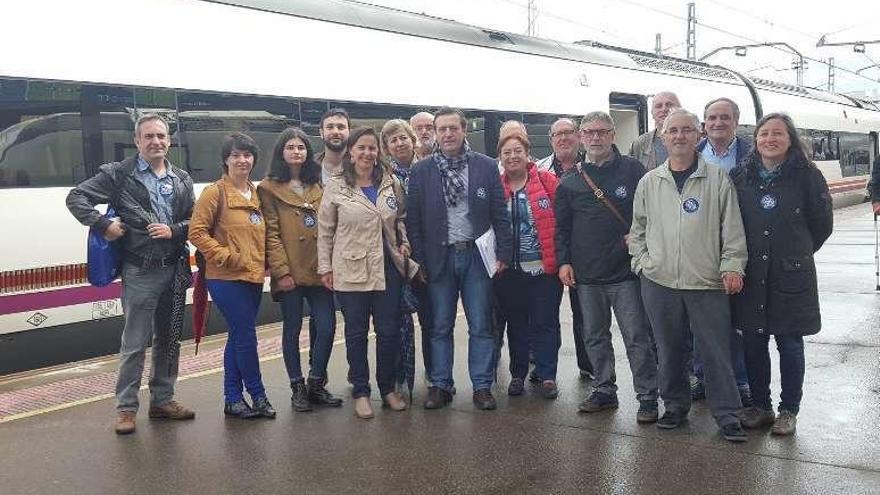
(588, 235)
(427, 220)
(787, 219)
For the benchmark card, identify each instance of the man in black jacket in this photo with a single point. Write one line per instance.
(154, 201)
(593, 214)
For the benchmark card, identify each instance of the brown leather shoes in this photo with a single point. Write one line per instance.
(125, 422)
(362, 408)
(171, 410)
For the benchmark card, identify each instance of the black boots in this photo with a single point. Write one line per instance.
(300, 396)
(319, 396)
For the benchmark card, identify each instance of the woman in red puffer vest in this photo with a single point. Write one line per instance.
(530, 292)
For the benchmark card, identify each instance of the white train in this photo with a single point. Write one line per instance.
(70, 92)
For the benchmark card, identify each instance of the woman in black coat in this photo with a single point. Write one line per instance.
(787, 213)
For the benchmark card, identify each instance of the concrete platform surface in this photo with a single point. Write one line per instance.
(528, 445)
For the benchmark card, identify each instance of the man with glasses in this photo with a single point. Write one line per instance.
(563, 161)
(649, 148)
(593, 215)
(423, 125)
(688, 246)
(455, 196)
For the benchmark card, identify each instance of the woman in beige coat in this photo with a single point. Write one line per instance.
(291, 195)
(362, 251)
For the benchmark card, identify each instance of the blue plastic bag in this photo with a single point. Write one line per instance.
(104, 258)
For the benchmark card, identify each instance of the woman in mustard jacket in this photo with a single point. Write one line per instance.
(291, 195)
(227, 227)
(362, 247)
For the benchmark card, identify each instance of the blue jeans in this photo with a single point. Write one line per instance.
(464, 275)
(530, 305)
(239, 303)
(384, 306)
(791, 369)
(737, 357)
(321, 311)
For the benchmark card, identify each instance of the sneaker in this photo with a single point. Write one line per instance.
(698, 389)
(516, 387)
(745, 396)
(733, 432)
(394, 401)
(598, 401)
(647, 412)
(263, 408)
(484, 401)
(125, 422)
(320, 396)
(756, 417)
(671, 420)
(549, 390)
(300, 396)
(785, 424)
(171, 410)
(240, 410)
(437, 398)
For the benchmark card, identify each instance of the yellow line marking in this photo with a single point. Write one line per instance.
(198, 374)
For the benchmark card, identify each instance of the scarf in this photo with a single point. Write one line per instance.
(402, 173)
(452, 172)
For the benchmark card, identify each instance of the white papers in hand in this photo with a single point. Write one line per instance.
(486, 245)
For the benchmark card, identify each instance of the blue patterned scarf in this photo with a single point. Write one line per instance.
(452, 171)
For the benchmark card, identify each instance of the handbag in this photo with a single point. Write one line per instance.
(104, 258)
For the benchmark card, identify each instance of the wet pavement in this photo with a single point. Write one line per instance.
(528, 445)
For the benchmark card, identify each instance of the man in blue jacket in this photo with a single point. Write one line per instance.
(455, 196)
(724, 148)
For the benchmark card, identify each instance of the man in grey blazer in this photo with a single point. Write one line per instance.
(649, 148)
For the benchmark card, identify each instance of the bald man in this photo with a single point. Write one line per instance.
(649, 148)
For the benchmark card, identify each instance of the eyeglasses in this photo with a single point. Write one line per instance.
(599, 133)
(684, 130)
(566, 133)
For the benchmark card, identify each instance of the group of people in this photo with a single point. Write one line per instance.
(699, 242)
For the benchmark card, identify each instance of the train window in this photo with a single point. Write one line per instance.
(40, 134)
(476, 132)
(204, 119)
(855, 154)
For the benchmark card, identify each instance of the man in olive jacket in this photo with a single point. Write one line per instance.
(154, 201)
(688, 246)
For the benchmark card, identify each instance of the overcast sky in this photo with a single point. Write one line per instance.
(635, 23)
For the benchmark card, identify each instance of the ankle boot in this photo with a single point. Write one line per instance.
(362, 408)
(394, 402)
(320, 396)
(300, 396)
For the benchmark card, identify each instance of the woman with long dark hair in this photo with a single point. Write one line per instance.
(290, 196)
(787, 213)
(362, 247)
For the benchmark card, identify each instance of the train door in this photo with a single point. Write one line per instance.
(630, 114)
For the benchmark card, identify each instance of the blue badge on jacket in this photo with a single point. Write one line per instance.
(309, 220)
(481, 192)
(620, 192)
(391, 201)
(768, 201)
(255, 218)
(544, 203)
(690, 205)
(165, 189)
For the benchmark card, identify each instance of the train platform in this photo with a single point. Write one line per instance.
(56, 431)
